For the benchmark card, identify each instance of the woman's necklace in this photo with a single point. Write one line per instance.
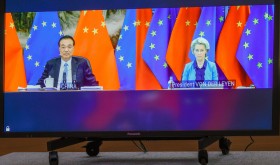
(200, 64)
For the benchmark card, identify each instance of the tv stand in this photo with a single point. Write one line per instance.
(203, 142)
(92, 147)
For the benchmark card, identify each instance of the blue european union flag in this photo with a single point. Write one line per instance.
(206, 28)
(255, 51)
(42, 44)
(126, 51)
(221, 13)
(209, 26)
(220, 20)
(156, 43)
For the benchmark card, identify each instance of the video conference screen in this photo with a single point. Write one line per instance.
(144, 49)
(140, 69)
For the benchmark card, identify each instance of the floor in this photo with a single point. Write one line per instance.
(149, 158)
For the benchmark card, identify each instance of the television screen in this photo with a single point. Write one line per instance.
(144, 70)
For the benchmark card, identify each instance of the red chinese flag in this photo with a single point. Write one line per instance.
(181, 38)
(228, 44)
(93, 42)
(14, 64)
(145, 79)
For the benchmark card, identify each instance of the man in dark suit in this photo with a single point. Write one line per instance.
(67, 67)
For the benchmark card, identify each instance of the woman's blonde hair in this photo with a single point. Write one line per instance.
(202, 41)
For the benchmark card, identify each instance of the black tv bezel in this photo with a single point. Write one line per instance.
(144, 135)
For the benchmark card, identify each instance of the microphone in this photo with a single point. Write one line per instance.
(63, 85)
(74, 82)
(64, 77)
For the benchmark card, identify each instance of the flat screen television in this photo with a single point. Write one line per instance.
(153, 82)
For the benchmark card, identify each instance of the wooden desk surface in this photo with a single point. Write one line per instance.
(262, 143)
